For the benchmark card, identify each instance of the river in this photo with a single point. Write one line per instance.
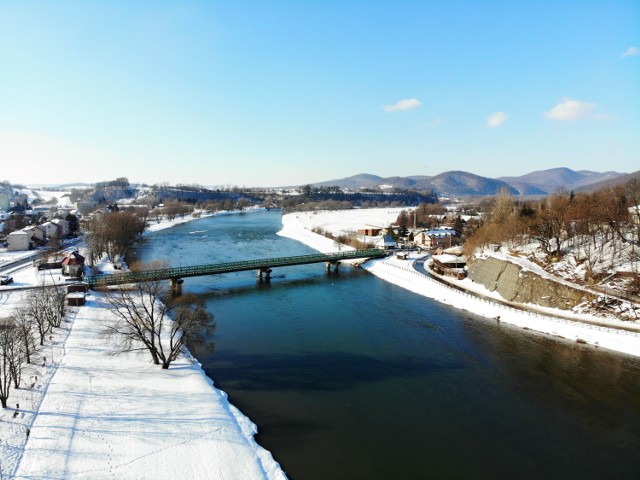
(350, 377)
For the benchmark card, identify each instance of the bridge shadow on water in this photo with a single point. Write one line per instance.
(243, 284)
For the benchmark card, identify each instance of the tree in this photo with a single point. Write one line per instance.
(7, 360)
(403, 223)
(43, 309)
(24, 328)
(148, 317)
(113, 233)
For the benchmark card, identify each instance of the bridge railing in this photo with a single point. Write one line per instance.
(213, 269)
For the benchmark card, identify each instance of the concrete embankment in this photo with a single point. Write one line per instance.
(515, 284)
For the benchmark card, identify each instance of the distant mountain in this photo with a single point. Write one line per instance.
(458, 183)
(465, 183)
(554, 179)
(362, 180)
(445, 184)
(618, 180)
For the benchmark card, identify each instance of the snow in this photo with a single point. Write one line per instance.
(94, 413)
(339, 221)
(62, 197)
(583, 328)
(121, 416)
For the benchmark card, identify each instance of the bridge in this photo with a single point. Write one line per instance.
(263, 266)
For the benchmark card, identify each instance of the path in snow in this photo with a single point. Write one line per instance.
(119, 416)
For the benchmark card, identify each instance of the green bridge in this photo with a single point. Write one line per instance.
(263, 266)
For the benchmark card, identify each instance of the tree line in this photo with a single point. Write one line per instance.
(27, 327)
(591, 225)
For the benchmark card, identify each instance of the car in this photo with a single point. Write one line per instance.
(5, 279)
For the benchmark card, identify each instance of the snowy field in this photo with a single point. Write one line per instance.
(61, 198)
(401, 272)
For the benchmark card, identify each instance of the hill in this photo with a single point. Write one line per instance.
(619, 180)
(445, 184)
(554, 179)
(459, 183)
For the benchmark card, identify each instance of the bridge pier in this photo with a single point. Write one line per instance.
(335, 264)
(176, 286)
(264, 274)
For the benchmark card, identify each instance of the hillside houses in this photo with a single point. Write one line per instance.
(26, 238)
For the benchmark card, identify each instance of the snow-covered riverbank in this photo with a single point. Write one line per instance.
(94, 414)
(401, 272)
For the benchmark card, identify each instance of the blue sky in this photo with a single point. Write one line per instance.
(269, 93)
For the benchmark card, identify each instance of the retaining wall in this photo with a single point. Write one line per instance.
(516, 285)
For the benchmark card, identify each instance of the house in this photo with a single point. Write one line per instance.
(386, 242)
(39, 233)
(73, 264)
(50, 229)
(19, 240)
(444, 237)
(370, 231)
(4, 201)
(450, 265)
(85, 207)
(63, 226)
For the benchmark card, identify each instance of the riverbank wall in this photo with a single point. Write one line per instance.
(516, 284)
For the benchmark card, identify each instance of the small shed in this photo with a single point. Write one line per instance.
(78, 287)
(76, 299)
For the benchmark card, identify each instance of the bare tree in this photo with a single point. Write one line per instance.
(148, 317)
(113, 233)
(7, 360)
(189, 321)
(25, 325)
(13, 347)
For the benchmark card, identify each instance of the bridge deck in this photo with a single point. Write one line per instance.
(214, 269)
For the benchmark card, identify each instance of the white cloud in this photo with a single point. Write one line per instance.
(496, 119)
(630, 52)
(400, 105)
(569, 110)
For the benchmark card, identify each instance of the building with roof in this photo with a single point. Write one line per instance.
(444, 237)
(20, 240)
(73, 264)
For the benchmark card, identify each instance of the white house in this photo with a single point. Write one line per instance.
(47, 230)
(62, 224)
(19, 240)
(386, 241)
